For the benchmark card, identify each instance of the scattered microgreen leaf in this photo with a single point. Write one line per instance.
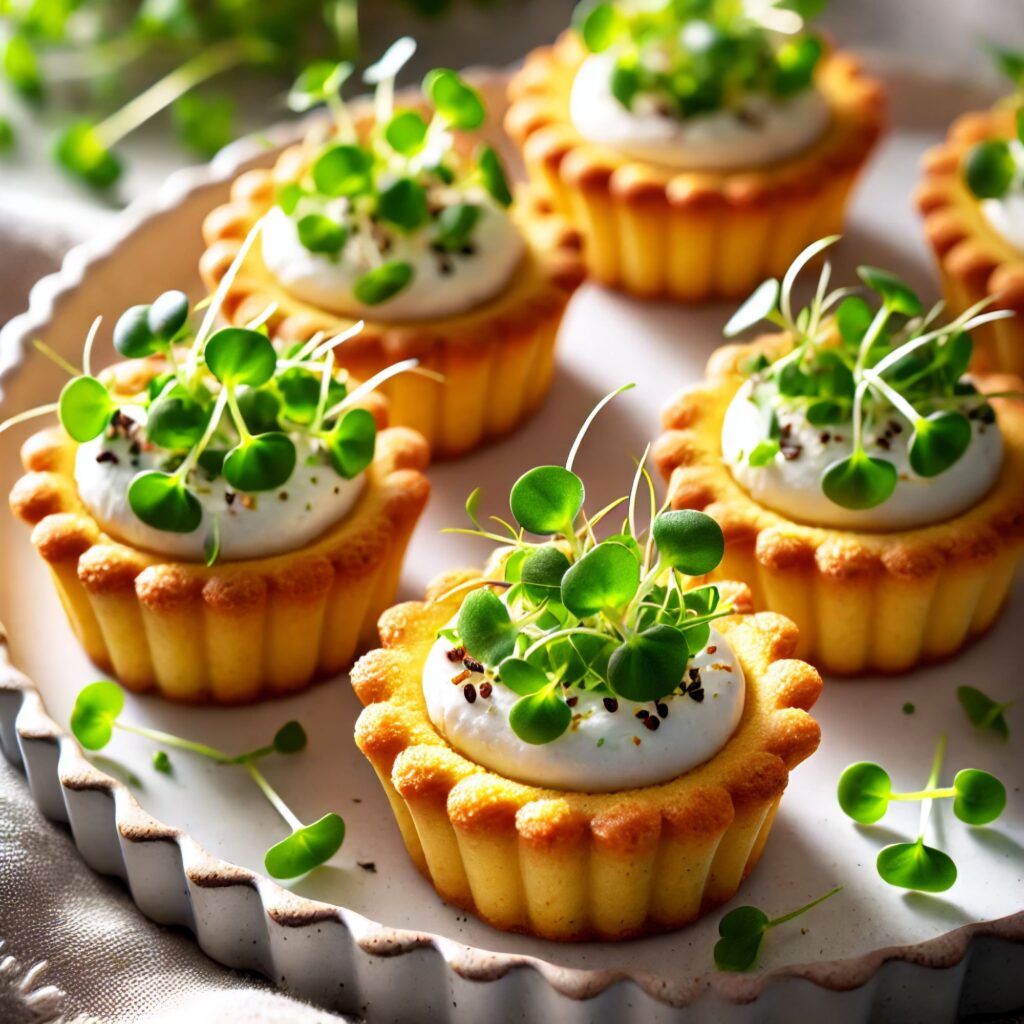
(983, 711)
(162, 763)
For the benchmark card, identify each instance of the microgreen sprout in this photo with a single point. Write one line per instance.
(693, 58)
(743, 929)
(983, 711)
(227, 405)
(365, 191)
(865, 792)
(96, 715)
(862, 369)
(994, 168)
(618, 616)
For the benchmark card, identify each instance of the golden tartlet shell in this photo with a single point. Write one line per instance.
(658, 232)
(497, 359)
(974, 261)
(864, 602)
(567, 865)
(239, 631)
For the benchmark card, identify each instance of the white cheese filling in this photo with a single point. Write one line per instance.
(603, 750)
(792, 486)
(443, 284)
(251, 526)
(768, 130)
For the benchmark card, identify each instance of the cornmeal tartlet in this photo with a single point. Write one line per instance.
(978, 240)
(887, 551)
(401, 224)
(693, 195)
(579, 743)
(177, 579)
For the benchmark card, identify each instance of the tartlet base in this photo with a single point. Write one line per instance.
(497, 359)
(240, 631)
(690, 236)
(974, 261)
(573, 866)
(864, 602)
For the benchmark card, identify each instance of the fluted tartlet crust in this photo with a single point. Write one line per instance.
(975, 262)
(687, 235)
(570, 865)
(497, 358)
(241, 630)
(863, 602)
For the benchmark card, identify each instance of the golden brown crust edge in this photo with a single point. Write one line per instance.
(505, 850)
(975, 262)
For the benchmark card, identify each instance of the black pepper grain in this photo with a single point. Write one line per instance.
(652, 723)
(572, 701)
(107, 456)
(485, 690)
(611, 704)
(472, 664)
(643, 713)
(662, 709)
(470, 692)
(456, 654)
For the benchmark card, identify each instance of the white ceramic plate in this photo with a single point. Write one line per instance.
(871, 953)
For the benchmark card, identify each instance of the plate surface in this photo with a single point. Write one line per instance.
(607, 340)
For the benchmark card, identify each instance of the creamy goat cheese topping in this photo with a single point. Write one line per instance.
(791, 483)
(766, 131)
(603, 750)
(251, 526)
(443, 283)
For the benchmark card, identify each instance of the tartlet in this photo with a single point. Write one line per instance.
(866, 599)
(496, 355)
(579, 791)
(690, 235)
(975, 262)
(225, 630)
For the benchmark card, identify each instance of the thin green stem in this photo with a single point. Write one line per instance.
(558, 633)
(170, 740)
(925, 794)
(325, 387)
(805, 908)
(29, 414)
(933, 778)
(185, 468)
(162, 93)
(270, 793)
(55, 357)
(896, 400)
(236, 414)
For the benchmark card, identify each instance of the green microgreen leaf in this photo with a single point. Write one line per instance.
(983, 711)
(351, 443)
(211, 543)
(487, 631)
(96, 709)
(133, 337)
(8, 135)
(85, 408)
(162, 763)
(859, 481)
(897, 295)
(406, 132)
(546, 500)
(455, 101)
(81, 152)
(542, 571)
(853, 317)
(318, 83)
(382, 283)
(237, 355)
(262, 462)
(259, 408)
(864, 792)
(916, 866)
(980, 797)
(605, 578)
(795, 64)
(598, 24)
(540, 717)
(320, 233)
(492, 175)
(456, 225)
(343, 170)
(205, 125)
(759, 306)
(290, 738)
(649, 665)
(522, 676)
(162, 501)
(166, 315)
(989, 169)
(689, 541)
(306, 848)
(938, 441)
(176, 421)
(404, 204)
(21, 68)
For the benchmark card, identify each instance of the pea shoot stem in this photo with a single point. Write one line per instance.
(28, 414)
(55, 357)
(170, 740)
(896, 400)
(933, 778)
(271, 794)
(925, 794)
(557, 634)
(162, 93)
(805, 908)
